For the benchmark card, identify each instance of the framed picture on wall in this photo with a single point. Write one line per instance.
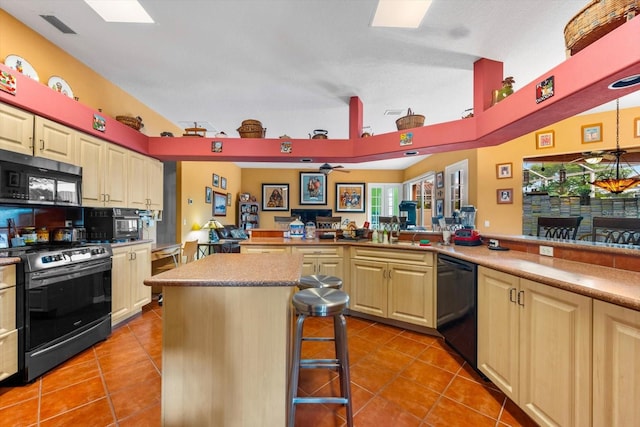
(592, 133)
(440, 180)
(545, 139)
(207, 194)
(215, 180)
(219, 204)
(275, 197)
(350, 197)
(313, 188)
(504, 195)
(223, 183)
(636, 127)
(504, 170)
(439, 207)
(229, 199)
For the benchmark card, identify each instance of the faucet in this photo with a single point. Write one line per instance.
(413, 238)
(394, 226)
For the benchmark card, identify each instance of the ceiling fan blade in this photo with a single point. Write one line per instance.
(345, 171)
(338, 166)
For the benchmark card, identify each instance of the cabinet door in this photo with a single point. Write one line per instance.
(498, 329)
(140, 270)
(616, 365)
(8, 354)
(16, 130)
(137, 181)
(54, 141)
(155, 184)
(91, 157)
(115, 179)
(330, 267)
(410, 293)
(120, 285)
(368, 287)
(555, 355)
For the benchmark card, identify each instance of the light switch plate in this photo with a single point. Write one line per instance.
(546, 250)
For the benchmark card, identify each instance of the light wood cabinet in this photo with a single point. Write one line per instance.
(264, 249)
(16, 130)
(145, 182)
(130, 266)
(55, 141)
(327, 260)
(534, 343)
(104, 172)
(8, 331)
(616, 365)
(393, 284)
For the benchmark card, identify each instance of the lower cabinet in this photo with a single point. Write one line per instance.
(393, 284)
(131, 265)
(616, 365)
(264, 249)
(534, 343)
(327, 260)
(8, 331)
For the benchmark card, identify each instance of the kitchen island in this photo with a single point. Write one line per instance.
(226, 339)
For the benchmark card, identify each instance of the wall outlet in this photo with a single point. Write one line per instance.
(546, 250)
(487, 223)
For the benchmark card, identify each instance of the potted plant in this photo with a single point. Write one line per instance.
(584, 191)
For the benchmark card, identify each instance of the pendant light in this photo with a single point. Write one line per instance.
(562, 174)
(617, 185)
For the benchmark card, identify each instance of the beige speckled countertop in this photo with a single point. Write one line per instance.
(8, 260)
(234, 270)
(621, 287)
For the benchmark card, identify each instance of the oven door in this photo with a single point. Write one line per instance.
(66, 300)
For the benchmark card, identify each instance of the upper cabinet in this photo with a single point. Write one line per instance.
(54, 141)
(145, 182)
(16, 130)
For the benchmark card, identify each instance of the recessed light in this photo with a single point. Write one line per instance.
(625, 82)
(120, 11)
(400, 13)
(306, 160)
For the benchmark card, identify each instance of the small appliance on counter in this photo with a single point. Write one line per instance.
(467, 235)
(112, 224)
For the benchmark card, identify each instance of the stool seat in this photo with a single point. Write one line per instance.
(320, 281)
(320, 301)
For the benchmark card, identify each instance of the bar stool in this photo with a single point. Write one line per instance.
(321, 302)
(320, 281)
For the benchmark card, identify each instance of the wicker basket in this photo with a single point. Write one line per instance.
(410, 121)
(595, 20)
(251, 129)
(132, 122)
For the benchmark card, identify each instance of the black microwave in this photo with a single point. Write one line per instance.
(112, 224)
(29, 180)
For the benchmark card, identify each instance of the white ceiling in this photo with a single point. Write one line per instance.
(294, 64)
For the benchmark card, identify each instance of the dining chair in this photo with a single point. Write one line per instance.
(282, 222)
(560, 227)
(328, 222)
(624, 231)
(189, 250)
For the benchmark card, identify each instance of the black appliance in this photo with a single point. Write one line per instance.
(112, 224)
(29, 180)
(309, 215)
(64, 304)
(457, 298)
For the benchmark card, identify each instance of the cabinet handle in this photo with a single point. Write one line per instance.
(521, 300)
(389, 273)
(31, 143)
(42, 147)
(108, 197)
(384, 274)
(512, 297)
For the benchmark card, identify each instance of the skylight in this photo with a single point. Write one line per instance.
(120, 11)
(400, 13)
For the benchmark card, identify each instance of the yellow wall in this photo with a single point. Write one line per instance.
(93, 90)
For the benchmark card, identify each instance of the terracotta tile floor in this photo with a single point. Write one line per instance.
(399, 378)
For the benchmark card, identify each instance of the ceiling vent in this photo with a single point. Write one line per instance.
(393, 112)
(61, 26)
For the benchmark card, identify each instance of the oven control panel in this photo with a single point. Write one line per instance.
(46, 259)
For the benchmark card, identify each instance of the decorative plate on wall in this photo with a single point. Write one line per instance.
(22, 66)
(60, 85)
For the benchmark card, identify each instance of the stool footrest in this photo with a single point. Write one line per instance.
(319, 363)
(333, 400)
(318, 339)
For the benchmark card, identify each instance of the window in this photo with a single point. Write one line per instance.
(383, 200)
(420, 190)
(456, 184)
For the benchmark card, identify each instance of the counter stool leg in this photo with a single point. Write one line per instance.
(342, 353)
(295, 370)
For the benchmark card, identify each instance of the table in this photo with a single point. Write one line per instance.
(222, 246)
(226, 341)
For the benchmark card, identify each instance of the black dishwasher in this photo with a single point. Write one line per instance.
(457, 298)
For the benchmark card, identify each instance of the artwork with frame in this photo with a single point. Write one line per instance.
(504, 170)
(4, 240)
(275, 197)
(207, 194)
(223, 183)
(545, 139)
(504, 195)
(215, 180)
(440, 180)
(313, 188)
(591, 133)
(219, 204)
(350, 197)
(440, 207)
(636, 127)
(229, 199)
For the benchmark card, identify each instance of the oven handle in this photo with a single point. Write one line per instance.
(44, 278)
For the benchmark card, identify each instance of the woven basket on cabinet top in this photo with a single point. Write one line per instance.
(410, 121)
(596, 19)
(132, 122)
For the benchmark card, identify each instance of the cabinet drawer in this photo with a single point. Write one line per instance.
(398, 255)
(7, 309)
(7, 276)
(8, 354)
(317, 251)
(251, 249)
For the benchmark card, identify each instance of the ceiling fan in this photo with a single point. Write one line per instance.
(327, 168)
(595, 157)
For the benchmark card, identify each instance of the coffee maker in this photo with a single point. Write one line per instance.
(408, 211)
